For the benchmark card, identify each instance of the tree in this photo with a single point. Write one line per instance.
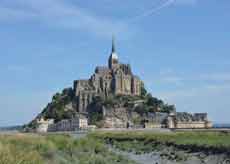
(95, 117)
(143, 90)
(168, 108)
(141, 109)
(152, 101)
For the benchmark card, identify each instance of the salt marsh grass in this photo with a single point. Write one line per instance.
(55, 149)
(147, 141)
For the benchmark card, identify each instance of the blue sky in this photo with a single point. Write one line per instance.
(180, 49)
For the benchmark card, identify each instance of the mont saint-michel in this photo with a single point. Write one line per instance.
(114, 82)
(113, 97)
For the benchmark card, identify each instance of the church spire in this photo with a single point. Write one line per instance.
(113, 58)
(113, 44)
(113, 54)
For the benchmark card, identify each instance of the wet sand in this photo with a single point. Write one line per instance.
(167, 157)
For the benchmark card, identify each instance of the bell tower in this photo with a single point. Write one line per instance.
(113, 58)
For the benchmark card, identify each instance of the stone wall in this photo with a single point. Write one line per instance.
(190, 125)
(152, 125)
(113, 122)
(69, 125)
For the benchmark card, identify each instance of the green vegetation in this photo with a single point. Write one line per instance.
(55, 149)
(143, 90)
(56, 109)
(156, 105)
(61, 107)
(96, 119)
(143, 105)
(148, 141)
(147, 103)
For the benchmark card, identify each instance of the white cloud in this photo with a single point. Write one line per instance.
(152, 10)
(186, 2)
(171, 80)
(194, 91)
(59, 13)
(214, 100)
(164, 4)
(169, 76)
(223, 76)
(207, 92)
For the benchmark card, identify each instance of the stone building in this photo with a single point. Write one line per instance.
(114, 122)
(182, 120)
(114, 79)
(78, 123)
(155, 120)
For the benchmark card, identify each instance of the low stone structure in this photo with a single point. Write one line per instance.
(113, 122)
(155, 120)
(77, 123)
(182, 120)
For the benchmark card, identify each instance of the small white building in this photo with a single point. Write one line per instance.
(43, 125)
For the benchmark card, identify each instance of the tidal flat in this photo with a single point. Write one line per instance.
(116, 147)
(170, 148)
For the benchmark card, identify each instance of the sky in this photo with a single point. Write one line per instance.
(179, 48)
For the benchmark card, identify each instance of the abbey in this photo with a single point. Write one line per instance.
(114, 79)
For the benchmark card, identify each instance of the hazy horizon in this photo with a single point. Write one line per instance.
(179, 48)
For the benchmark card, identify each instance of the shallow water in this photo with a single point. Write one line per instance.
(156, 158)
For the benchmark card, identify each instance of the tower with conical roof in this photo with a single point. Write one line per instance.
(113, 58)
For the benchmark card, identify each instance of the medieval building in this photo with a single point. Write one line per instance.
(114, 79)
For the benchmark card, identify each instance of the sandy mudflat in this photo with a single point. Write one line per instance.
(9, 132)
(157, 158)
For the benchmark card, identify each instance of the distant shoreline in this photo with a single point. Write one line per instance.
(221, 126)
